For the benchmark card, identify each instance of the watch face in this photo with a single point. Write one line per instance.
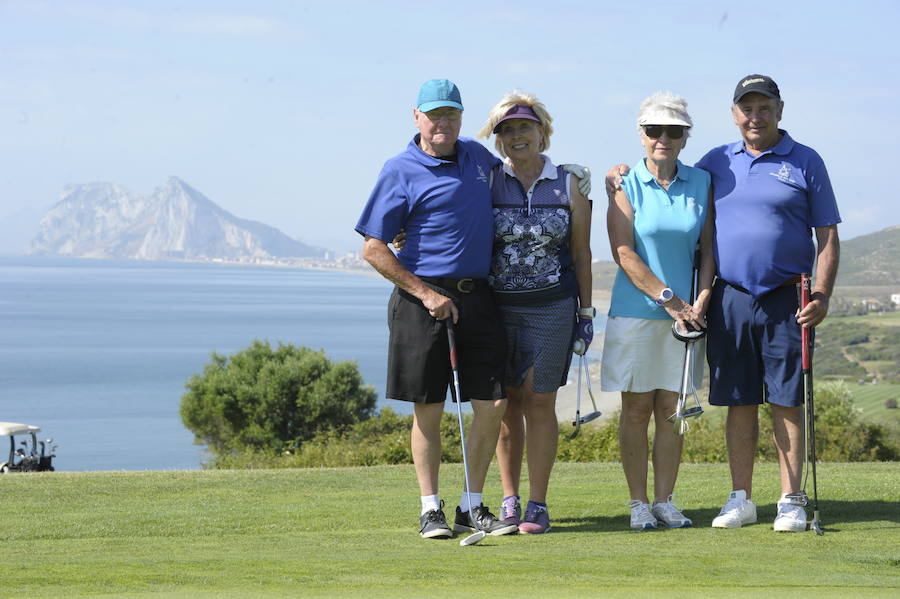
(666, 294)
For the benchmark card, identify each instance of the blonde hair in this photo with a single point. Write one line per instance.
(503, 106)
(671, 107)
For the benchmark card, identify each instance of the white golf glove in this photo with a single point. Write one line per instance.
(583, 174)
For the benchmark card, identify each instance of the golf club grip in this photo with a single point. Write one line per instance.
(804, 331)
(451, 341)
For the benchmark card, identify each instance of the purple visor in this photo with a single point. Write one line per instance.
(518, 112)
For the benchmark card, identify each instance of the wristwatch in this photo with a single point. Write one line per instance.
(589, 312)
(664, 296)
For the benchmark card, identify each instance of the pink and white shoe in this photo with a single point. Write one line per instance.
(536, 520)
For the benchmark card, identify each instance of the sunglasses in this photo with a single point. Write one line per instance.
(656, 131)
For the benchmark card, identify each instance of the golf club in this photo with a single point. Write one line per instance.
(689, 336)
(457, 397)
(810, 428)
(579, 419)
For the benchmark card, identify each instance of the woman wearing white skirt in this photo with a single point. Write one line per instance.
(656, 221)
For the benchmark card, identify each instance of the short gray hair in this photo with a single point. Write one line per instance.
(664, 108)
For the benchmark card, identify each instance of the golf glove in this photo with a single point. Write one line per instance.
(583, 174)
(584, 334)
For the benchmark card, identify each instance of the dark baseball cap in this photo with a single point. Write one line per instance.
(759, 84)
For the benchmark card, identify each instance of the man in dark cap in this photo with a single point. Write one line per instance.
(771, 194)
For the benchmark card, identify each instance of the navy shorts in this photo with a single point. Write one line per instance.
(419, 354)
(753, 347)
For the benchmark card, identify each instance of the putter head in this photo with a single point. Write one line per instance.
(589, 417)
(687, 333)
(816, 527)
(692, 412)
(577, 431)
(472, 538)
(799, 498)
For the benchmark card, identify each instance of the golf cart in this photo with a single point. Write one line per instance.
(31, 455)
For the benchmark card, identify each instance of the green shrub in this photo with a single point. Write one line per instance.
(593, 444)
(266, 401)
(384, 439)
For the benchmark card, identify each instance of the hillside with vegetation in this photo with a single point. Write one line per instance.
(872, 259)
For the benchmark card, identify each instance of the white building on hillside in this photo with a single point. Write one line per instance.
(895, 299)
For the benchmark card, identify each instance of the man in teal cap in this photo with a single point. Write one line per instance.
(437, 190)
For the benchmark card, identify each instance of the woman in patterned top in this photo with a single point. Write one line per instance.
(541, 277)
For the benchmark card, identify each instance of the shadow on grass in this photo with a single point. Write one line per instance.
(833, 514)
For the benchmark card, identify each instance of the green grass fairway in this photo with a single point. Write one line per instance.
(352, 533)
(870, 400)
(885, 319)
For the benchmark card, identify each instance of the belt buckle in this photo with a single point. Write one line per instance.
(465, 285)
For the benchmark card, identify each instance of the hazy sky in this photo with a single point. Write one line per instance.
(284, 112)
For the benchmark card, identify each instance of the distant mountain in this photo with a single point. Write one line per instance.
(175, 222)
(872, 259)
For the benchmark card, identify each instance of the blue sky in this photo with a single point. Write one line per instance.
(284, 112)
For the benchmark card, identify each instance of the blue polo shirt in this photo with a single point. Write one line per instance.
(765, 207)
(667, 225)
(444, 206)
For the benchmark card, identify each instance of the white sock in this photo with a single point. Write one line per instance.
(466, 499)
(430, 502)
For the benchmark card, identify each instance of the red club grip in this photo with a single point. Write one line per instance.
(451, 339)
(805, 286)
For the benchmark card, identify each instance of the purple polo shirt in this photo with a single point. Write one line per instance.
(766, 207)
(445, 208)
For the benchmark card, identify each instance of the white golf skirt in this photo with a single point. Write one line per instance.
(640, 355)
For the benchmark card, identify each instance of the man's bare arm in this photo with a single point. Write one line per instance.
(382, 259)
(827, 260)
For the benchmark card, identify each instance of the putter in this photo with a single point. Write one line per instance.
(457, 395)
(689, 336)
(810, 428)
(579, 419)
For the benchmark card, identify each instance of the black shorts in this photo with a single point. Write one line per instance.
(419, 355)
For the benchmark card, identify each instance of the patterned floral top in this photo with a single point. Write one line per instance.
(532, 259)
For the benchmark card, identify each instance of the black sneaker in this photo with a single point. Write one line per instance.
(434, 524)
(486, 522)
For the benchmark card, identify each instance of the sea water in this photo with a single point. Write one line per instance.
(97, 352)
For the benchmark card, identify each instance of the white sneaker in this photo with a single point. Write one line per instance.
(736, 512)
(641, 517)
(669, 515)
(791, 516)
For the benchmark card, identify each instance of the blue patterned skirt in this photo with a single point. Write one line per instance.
(539, 336)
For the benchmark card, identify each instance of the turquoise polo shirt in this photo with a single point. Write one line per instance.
(667, 225)
(766, 207)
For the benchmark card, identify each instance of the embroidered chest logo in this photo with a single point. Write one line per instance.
(481, 176)
(784, 173)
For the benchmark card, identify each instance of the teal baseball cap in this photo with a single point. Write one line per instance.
(437, 93)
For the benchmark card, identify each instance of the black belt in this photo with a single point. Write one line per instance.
(461, 285)
(792, 281)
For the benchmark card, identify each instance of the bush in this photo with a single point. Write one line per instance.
(594, 444)
(384, 439)
(267, 401)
